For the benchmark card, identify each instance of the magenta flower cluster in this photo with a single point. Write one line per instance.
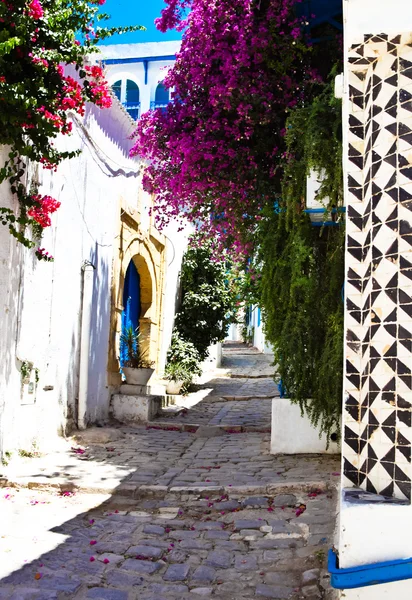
(214, 151)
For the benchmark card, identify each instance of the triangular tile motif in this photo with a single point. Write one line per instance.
(378, 411)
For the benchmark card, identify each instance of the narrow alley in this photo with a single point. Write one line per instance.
(190, 505)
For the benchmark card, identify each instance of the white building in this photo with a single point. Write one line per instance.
(61, 321)
(136, 73)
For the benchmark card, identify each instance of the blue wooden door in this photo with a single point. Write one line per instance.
(131, 304)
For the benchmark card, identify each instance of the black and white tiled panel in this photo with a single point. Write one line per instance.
(378, 383)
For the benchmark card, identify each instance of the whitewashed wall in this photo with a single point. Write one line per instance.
(257, 326)
(40, 303)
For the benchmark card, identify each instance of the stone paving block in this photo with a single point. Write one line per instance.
(195, 545)
(217, 535)
(141, 566)
(204, 574)
(107, 594)
(177, 572)
(245, 562)
(284, 500)
(251, 534)
(159, 588)
(249, 524)
(123, 579)
(310, 576)
(177, 556)
(273, 591)
(219, 559)
(61, 584)
(111, 546)
(209, 525)
(228, 505)
(202, 591)
(153, 530)
(255, 501)
(31, 594)
(144, 551)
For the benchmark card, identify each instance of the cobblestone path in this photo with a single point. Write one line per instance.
(240, 396)
(140, 513)
(207, 545)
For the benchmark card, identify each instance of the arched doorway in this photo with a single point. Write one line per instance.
(131, 304)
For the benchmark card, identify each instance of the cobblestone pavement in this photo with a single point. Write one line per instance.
(152, 457)
(244, 361)
(223, 546)
(247, 374)
(141, 513)
(251, 413)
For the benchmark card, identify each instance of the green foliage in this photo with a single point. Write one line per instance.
(45, 74)
(136, 358)
(182, 361)
(208, 305)
(302, 266)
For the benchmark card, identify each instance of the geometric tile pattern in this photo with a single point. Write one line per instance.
(378, 349)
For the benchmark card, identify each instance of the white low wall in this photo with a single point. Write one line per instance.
(214, 359)
(141, 409)
(294, 434)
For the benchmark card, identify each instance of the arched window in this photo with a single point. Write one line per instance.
(127, 91)
(162, 96)
(117, 88)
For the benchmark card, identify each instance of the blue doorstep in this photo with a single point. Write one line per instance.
(356, 577)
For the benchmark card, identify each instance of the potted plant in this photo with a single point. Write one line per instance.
(182, 365)
(136, 367)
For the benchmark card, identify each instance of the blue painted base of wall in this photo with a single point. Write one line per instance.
(375, 574)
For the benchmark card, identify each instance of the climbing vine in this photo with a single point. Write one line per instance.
(301, 266)
(44, 75)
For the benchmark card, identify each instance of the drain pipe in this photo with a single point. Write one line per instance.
(88, 276)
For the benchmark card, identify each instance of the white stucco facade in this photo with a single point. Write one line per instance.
(41, 303)
(144, 64)
(256, 330)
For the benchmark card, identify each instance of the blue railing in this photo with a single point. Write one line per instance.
(155, 104)
(133, 108)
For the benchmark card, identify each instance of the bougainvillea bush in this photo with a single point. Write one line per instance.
(214, 152)
(44, 75)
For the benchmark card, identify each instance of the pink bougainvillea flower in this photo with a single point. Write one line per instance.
(106, 561)
(300, 510)
(92, 559)
(93, 542)
(35, 9)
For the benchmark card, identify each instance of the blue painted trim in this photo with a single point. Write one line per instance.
(126, 61)
(282, 389)
(146, 70)
(375, 574)
(312, 211)
(325, 224)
